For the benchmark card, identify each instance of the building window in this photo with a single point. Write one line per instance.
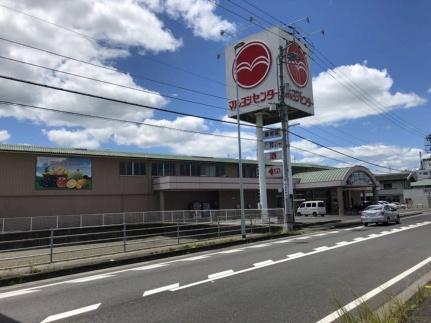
(132, 168)
(138, 168)
(163, 169)
(169, 169)
(185, 170)
(195, 170)
(157, 169)
(387, 186)
(220, 171)
(208, 170)
(359, 178)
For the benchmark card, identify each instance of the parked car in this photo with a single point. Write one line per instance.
(364, 205)
(314, 208)
(398, 205)
(380, 213)
(382, 202)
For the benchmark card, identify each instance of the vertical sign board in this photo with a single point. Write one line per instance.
(252, 76)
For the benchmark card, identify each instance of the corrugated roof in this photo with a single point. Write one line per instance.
(330, 175)
(424, 182)
(109, 153)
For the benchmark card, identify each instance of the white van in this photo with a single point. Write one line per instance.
(314, 208)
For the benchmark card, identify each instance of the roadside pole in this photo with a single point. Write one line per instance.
(263, 200)
(288, 218)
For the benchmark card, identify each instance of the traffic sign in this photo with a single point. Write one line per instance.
(275, 155)
(274, 171)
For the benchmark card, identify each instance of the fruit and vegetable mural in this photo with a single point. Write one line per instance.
(64, 173)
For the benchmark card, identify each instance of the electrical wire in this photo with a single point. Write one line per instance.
(174, 112)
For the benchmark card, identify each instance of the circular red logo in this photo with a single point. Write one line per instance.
(252, 63)
(297, 64)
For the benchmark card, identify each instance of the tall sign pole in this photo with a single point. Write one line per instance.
(284, 116)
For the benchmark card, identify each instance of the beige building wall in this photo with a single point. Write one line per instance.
(110, 193)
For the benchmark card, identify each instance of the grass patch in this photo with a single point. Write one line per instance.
(397, 312)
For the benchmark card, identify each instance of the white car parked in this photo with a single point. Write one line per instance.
(313, 208)
(380, 213)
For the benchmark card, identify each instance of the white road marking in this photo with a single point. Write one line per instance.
(289, 258)
(263, 263)
(295, 255)
(260, 245)
(220, 274)
(321, 248)
(302, 238)
(350, 306)
(71, 313)
(283, 241)
(349, 229)
(373, 235)
(342, 243)
(149, 267)
(18, 293)
(87, 279)
(319, 234)
(37, 288)
(195, 258)
(359, 239)
(160, 289)
(230, 251)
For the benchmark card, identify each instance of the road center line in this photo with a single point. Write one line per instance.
(160, 289)
(350, 306)
(263, 263)
(71, 313)
(289, 258)
(220, 274)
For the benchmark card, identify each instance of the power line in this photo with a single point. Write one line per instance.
(174, 112)
(137, 76)
(111, 83)
(119, 120)
(86, 115)
(33, 83)
(393, 118)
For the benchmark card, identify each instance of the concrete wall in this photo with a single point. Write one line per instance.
(418, 197)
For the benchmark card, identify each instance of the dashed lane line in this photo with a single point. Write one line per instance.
(289, 258)
(77, 311)
(160, 289)
(110, 274)
(220, 274)
(263, 263)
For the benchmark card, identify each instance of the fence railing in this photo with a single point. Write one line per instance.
(54, 245)
(16, 224)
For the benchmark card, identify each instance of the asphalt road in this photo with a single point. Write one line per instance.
(283, 280)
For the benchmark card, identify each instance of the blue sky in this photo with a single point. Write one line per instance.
(382, 46)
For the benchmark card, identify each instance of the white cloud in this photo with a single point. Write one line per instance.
(199, 16)
(429, 90)
(4, 135)
(335, 103)
(114, 27)
(395, 157)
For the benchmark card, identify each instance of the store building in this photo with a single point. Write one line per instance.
(392, 186)
(39, 181)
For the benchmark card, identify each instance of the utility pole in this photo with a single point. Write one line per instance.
(288, 211)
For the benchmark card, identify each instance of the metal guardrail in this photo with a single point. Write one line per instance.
(54, 245)
(25, 224)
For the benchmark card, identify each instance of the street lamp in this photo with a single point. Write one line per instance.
(241, 180)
